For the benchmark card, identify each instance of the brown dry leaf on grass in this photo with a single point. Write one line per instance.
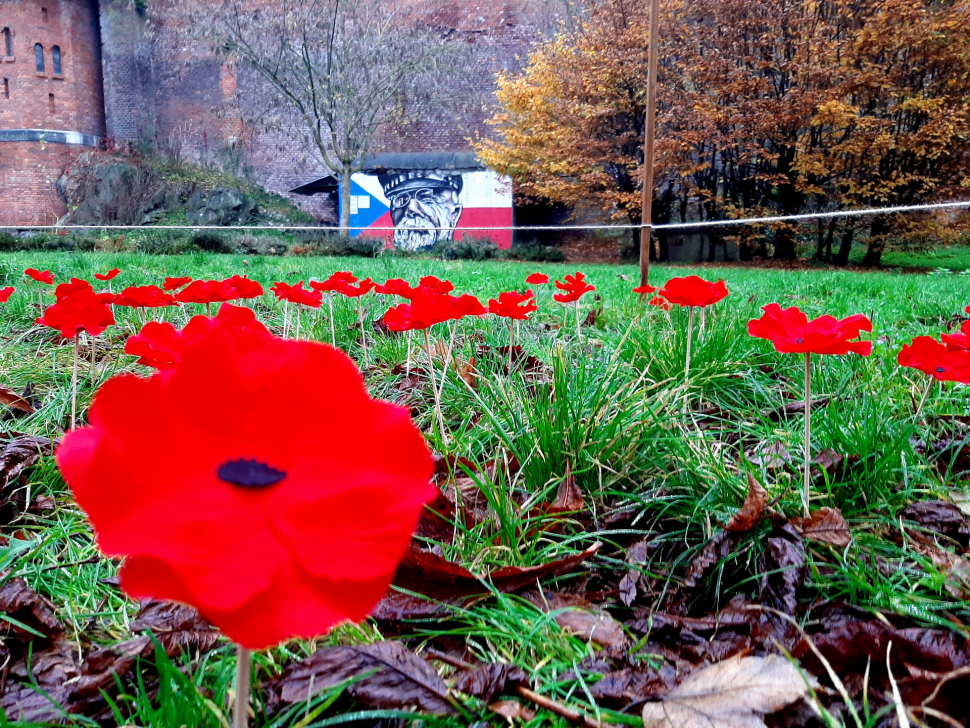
(391, 677)
(734, 693)
(15, 401)
(750, 514)
(825, 525)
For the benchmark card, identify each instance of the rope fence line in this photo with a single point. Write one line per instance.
(538, 228)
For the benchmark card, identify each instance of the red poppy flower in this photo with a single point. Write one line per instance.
(110, 275)
(207, 292)
(80, 311)
(959, 340)
(245, 287)
(792, 333)
(396, 287)
(272, 532)
(513, 305)
(5, 293)
(351, 291)
(537, 279)
(644, 290)
(575, 287)
(427, 309)
(297, 294)
(75, 285)
(694, 291)
(144, 297)
(334, 282)
(933, 358)
(660, 303)
(173, 284)
(436, 285)
(162, 346)
(40, 276)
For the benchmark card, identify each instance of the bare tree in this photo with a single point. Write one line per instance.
(337, 72)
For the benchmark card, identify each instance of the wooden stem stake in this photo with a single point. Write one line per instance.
(808, 430)
(77, 338)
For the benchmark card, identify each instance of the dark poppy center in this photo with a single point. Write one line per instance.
(799, 341)
(940, 370)
(249, 474)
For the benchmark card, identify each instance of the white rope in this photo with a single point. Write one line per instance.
(662, 226)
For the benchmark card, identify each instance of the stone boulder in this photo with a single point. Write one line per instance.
(114, 192)
(219, 206)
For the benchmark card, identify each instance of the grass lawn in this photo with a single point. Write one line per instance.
(661, 464)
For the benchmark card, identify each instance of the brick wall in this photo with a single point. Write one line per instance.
(71, 100)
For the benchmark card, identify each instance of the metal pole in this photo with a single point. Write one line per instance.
(646, 219)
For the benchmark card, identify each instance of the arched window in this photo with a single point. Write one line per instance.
(39, 57)
(56, 58)
(7, 43)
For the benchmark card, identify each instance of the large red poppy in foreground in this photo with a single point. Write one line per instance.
(939, 361)
(693, 291)
(257, 481)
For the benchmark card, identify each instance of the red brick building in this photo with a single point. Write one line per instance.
(79, 73)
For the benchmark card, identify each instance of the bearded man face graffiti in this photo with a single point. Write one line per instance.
(425, 208)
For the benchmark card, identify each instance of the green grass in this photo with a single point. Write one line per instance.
(616, 411)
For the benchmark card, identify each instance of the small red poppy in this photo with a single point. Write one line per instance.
(162, 346)
(933, 358)
(207, 292)
(246, 288)
(80, 311)
(537, 279)
(40, 276)
(351, 291)
(436, 285)
(272, 532)
(792, 333)
(297, 294)
(428, 309)
(173, 284)
(644, 290)
(575, 287)
(334, 282)
(396, 287)
(513, 305)
(75, 285)
(144, 297)
(959, 340)
(694, 291)
(5, 293)
(110, 275)
(660, 302)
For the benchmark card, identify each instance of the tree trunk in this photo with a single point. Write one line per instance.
(345, 201)
(877, 242)
(845, 247)
(745, 252)
(785, 243)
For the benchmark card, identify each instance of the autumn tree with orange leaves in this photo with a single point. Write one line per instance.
(766, 107)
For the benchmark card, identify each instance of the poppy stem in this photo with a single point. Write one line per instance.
(333, 329)
(690, 331)
(286, 317)
(511, 343)
(434, 384)
(299, 312)
(926, 395)
(77, 338)
(579, 330)
(94, 360)
(363, 331)
(808, 429)
(208, 309)
(240, 708)
(700, 333)
(407, 371)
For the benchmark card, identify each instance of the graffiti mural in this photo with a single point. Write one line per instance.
(425, 207)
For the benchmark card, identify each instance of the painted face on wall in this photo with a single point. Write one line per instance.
(425, 209)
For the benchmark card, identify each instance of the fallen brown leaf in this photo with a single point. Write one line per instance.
(635, 555)
(14, 400)
(769, 457)
(176, 626)
(511, 709)
(785, 569)
(734, 693)
(719, 547)
(399, 680)
(487, 681)
(825, 525)
(569, 497)
(21, 603)
(21, 453)
(750, 514)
